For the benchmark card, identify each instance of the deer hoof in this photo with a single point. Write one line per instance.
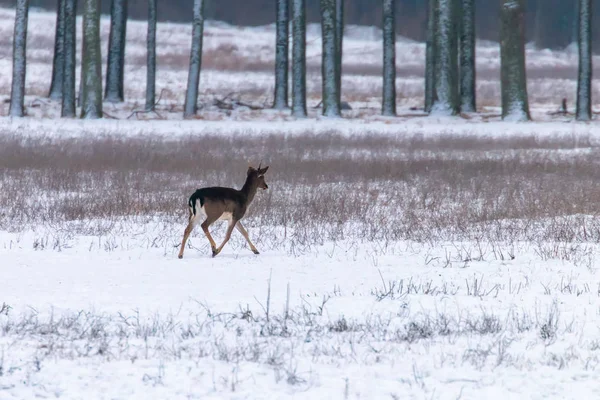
(256, 251)
(180, 256)
(215, 252)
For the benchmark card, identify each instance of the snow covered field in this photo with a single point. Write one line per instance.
(423, 265)
(417, 258)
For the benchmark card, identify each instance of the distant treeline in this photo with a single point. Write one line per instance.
(550, 23)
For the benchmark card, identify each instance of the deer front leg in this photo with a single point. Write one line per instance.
(213, 245)
(244, 233)
(227, 236)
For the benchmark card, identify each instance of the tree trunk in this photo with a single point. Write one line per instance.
(515, 105)
(446, 101)
(331, 104)
(151, 57)
(17, 94)
(115, 65)
(299, 58)
(389, 58)
(70, 35)
(339, 45)
(430, 55)
(584, 82)
(91, 64)
(56, 85)
(467, 56)
(191, 96)
(281, 56)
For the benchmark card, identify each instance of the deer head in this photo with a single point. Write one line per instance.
(256, 177)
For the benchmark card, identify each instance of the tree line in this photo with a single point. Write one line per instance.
(450, 73)
(548, 23)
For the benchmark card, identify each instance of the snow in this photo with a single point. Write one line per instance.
(133, 287)
(116, 315)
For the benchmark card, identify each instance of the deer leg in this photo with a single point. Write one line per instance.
(244, 233)
(213, 245)
(186, 234)
(227, 236)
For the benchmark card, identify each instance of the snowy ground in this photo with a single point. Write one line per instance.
(400, 258)
(403, 283)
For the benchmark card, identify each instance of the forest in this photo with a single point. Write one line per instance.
(550, 23)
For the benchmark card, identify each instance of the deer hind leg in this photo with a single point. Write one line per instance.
(187, 232)
(227, 236)
(244, 233)
(205, 226)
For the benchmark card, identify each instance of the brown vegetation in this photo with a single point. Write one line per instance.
(323, 187)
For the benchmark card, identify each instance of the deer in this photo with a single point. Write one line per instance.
(222, 203)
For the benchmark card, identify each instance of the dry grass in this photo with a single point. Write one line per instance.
(326, 187)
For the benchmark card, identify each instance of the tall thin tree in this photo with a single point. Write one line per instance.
(584, 81)
(389, 58)
(430, 54)
(339, 44)
(299, 58)
(17, 94)
(56, 84)
(515, 104)
(191, 96)
(115, 65)
(467, 56)
(331, 104)
(445, 98)
(70, 34)
(281, 55)
(151, 57)
(91, 61)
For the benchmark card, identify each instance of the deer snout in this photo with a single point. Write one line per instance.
(266, 187)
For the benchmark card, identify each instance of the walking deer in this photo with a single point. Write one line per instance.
(214, 203)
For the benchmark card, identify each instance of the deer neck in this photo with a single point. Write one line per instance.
(249, 189)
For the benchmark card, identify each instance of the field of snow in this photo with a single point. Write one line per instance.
(430, 263)
(401, 258)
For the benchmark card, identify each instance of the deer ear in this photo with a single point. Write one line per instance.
(263, 170)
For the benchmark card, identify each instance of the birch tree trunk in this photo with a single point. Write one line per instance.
(17, 94)
(430, 54)
(331, 104)
(299, 58)
(151, 57)
(91, 64)
(70, 49)
(281, 56)
(389, 58)
(584, 81)
(446, 101)
(115, 65)
(56, 84)
(339, 45)
(191, 96)
(515, 105)
(467, 56)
